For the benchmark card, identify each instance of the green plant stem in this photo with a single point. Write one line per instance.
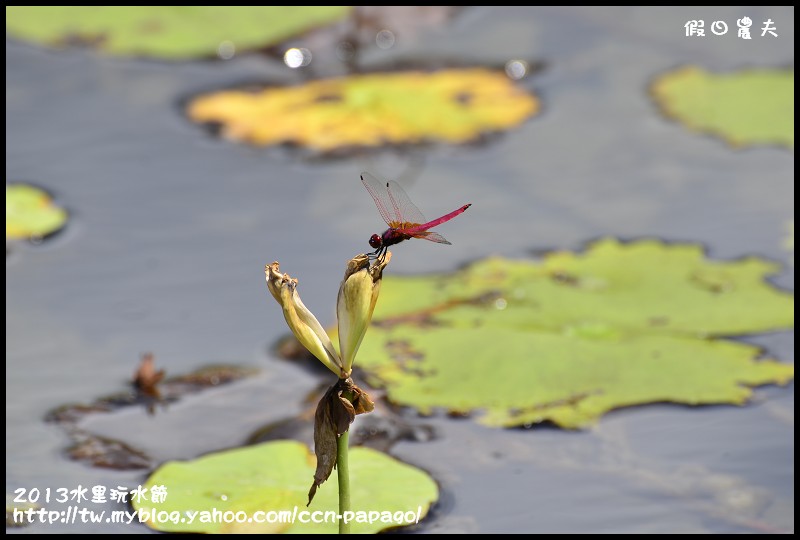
(344, 479)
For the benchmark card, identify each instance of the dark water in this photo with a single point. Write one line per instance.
(171, 229)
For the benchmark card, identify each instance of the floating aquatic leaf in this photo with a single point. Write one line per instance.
(453, 105)
(170, 32)
(576, 335)
(747, 107)
(16, 515)
(31, 213)
(274, 477)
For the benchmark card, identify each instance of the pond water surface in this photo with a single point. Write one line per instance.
(171, 229)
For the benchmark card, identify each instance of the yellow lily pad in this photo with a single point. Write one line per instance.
(31, 213)
(170, 32)
(575, 335)
(225, 491)
(16, 512)
(412, 107)
(748, 107)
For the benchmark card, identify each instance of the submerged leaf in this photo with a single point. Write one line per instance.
(170, 32)
(107, 453)
(576, 335)
(452, 105)
(31, 213)
(747, 107)
(271, 477)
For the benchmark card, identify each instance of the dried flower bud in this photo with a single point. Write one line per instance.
(358, 295)
(301, 321)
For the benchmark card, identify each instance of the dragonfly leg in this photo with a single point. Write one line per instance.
(378, 253)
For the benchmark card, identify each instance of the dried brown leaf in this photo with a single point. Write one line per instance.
(335, 413)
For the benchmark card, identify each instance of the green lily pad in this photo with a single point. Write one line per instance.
(31, 213)
(413, 107)
(747, 107)
(275, 477)
(169, 32)
(576, 335)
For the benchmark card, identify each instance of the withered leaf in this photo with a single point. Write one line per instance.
(146, 379)
(342, 414)
(325, 434)
(335, 413)
(361, 401)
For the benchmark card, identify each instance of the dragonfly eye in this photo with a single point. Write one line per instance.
(375, 241)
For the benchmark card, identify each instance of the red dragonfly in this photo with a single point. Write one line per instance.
(404, 219)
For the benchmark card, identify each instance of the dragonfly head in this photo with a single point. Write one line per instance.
(375, 241)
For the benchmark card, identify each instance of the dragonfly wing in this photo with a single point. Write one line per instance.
(380, 195)
(406, 210)
(432, 236)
